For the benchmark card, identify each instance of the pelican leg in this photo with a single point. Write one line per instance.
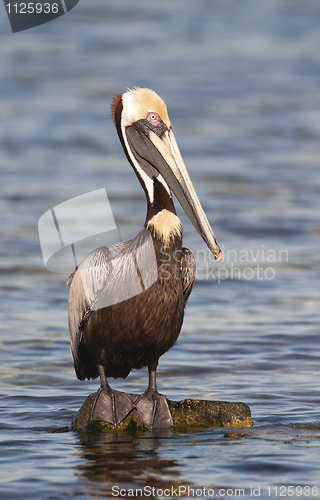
(152, 408)
(110, 406)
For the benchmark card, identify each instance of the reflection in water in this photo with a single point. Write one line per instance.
(128, 461)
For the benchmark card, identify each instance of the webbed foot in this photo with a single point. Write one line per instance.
(111, 406)
(153, 411)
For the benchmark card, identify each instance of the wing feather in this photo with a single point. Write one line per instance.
(105, 277)
(79, 310)
(188, 271)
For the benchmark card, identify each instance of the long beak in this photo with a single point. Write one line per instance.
(175, 174)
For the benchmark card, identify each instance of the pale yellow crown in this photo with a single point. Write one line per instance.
(138, 103)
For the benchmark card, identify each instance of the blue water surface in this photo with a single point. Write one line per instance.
(241, 81)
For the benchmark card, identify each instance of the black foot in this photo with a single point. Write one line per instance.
(153, 411)
(111, 406)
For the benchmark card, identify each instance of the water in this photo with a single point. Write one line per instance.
(241, 81)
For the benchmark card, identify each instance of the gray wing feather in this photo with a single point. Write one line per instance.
(79, 307)
(105, 277)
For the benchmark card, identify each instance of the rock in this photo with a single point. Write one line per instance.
(203, 413)
(189, 413)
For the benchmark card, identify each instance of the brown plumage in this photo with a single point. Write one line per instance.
(135, 332)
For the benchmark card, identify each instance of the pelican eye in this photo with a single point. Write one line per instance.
(153, 118)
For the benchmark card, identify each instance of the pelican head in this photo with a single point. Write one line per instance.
(145, 132)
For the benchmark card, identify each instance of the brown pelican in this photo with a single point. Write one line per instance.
(114, 329)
